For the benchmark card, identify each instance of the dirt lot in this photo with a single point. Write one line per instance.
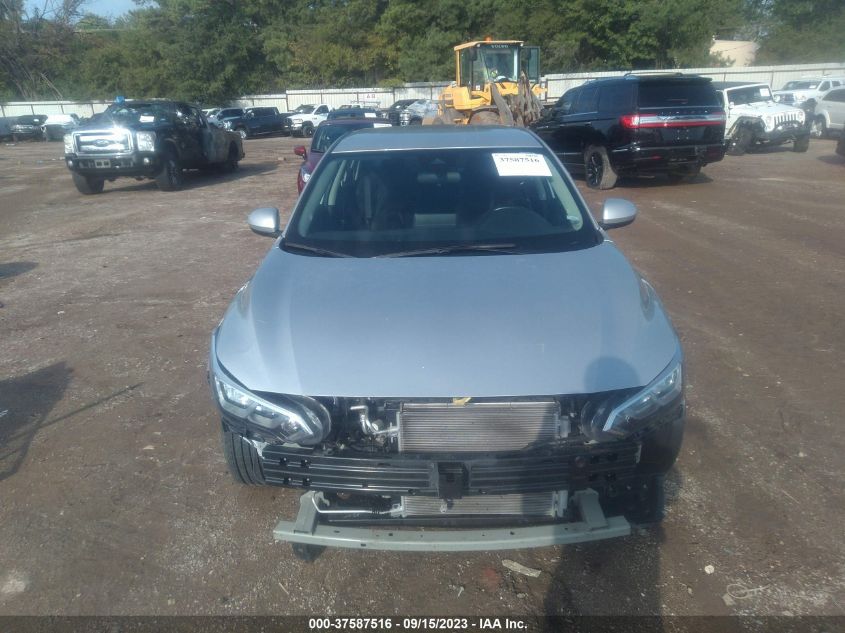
(116, 500)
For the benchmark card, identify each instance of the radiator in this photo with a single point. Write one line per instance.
(478, 426)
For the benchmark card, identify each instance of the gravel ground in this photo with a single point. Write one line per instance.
(115, 496)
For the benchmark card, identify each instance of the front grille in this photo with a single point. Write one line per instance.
(103, 142)
(532, 504)
(780, 119)
(478, 426)
(566, 468)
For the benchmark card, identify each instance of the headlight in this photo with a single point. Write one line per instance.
(227, 125)
(304, 174)
(801, 115)
(68, 138)
(661, 401)
(296, 420)
(146, 141)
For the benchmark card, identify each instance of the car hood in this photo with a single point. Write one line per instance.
(769, 107)
(415, 327)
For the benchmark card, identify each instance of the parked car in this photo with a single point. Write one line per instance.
(211, 112)
(754, 119)
(225, 114)
(306, 118)
(327, 133)
(418, 111)
(147, 139)
(353, 113)
(56, 126)
(26, 126)
(636, 125)
(829, 113)
(443, 335)
(396, 109)
(799, 91)
(258, 121)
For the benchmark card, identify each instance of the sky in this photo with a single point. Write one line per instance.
(106, 8)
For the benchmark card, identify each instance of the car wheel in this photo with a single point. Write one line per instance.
(599, 172)
(740, 142)
(307, 130)
(170, 176)
(88, 185)
(801, 144)
(231, 163)
(244, 134)
(242, 460)
(818, 128)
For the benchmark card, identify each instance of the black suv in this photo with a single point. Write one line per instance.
(636, 124)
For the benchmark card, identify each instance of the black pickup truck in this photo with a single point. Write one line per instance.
(257, 122)
(148, 139)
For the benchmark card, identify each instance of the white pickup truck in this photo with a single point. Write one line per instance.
(305, 119)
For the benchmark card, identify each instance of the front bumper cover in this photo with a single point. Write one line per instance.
(115, 165)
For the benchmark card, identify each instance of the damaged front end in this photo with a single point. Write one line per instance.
(509, 472)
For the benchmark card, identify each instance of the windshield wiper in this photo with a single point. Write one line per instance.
(323, 252)
(455, 248)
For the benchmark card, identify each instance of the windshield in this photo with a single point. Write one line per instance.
(801, 85)
(305, 109)
(139, 112)
(749, 94)
(372, 204)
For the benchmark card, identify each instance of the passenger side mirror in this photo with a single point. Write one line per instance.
(300, 150)
(616, 213)
(265, 221)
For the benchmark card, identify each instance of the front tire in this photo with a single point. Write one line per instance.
(597, 168)
(818, 128)
(242, 460)
(87, 185)
(231, 163)
(740, 142)
(307, 130)
(170, 177)
(801, 144)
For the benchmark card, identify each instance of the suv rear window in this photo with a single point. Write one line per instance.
(668, 94)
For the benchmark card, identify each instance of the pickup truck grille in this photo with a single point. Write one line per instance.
(103, 142)
(477, 427)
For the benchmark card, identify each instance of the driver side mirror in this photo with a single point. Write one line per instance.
(616, 213)
(300, 150)
(265, 221)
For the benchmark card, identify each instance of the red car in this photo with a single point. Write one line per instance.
(324, 137)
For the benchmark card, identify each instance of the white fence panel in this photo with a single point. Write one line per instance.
(556, 85)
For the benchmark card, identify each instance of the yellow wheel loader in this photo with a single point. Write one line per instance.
(497, 82)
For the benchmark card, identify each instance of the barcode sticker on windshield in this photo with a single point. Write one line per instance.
(521, 164)
(147, 118)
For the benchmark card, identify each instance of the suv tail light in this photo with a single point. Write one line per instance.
(637, 121)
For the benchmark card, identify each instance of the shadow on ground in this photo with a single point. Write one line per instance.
(194, 179)
(13, 269)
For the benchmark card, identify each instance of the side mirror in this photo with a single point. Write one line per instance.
(299, 150)
(265, 221)
(617, 212)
